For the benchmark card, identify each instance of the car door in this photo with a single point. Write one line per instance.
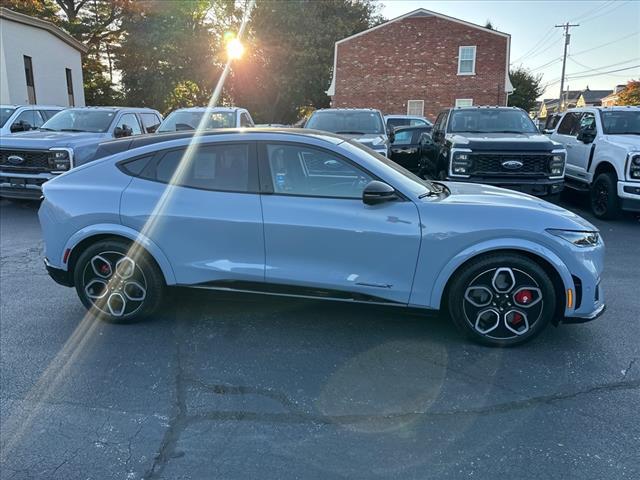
(129, 121)
(566, 134)
(405, 149)
(319, 234)
(202, 209)
(581, 152)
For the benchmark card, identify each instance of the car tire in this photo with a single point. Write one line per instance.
(117, 284)
(442, 175)
(603, 196)
(501, 300)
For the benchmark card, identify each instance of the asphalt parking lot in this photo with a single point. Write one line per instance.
(238, 386)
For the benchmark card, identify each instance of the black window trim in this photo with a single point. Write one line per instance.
(266, 179)
(157, 155)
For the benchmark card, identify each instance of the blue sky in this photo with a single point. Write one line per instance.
(608, 37)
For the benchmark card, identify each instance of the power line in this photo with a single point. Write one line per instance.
(605, 44)
(593, 10)
(542, 40)
(572, 77)
(555, 60)
(592, 69)
(609, 11)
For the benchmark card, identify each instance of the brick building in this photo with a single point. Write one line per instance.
(420, 63)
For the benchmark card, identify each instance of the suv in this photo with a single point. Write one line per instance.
(66, 140)
(497, 146)
(364, 125)
(603, 156)
(217, 117)
(22, 118)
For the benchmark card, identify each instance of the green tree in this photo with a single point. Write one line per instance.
(290, 54)
(527, 87)
(168, 43)
(630, 95)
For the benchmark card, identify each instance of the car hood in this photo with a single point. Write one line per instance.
(368, 139)
(503, 141)
(474, 194)
(630, 142)
(44, 139)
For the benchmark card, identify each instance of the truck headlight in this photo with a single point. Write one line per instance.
(461, 163)
(634, 167)
(60, 158)
(578, 238)
(556, 164)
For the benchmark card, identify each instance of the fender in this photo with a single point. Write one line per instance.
(120, 230)
(494, 245)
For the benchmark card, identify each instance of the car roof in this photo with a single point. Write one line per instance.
(212, 109)
(116, 109)
(486, 107)
(412, 127)
(405, 116)
(346, 110)
(35, 106)
(616, 108)
(111, 147)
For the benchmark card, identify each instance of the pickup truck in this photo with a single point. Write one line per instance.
(68, 139)
(494, 145)
(22, 118)
(603, 156)
(185, 119)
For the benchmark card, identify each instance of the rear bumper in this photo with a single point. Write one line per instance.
(539, 187)
(60, 276)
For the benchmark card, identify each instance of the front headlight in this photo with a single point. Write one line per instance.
(60, 158)
(460, 163)
(556, 164)
(578, 238)
(634, 166)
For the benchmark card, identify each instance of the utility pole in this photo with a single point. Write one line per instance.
(567, 38)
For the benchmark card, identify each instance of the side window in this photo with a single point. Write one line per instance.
(47, 114)
(129, 120)
(245, 121)
(569, 124)
(306, 171)
(440, 121)
(225, 167)
(150, 122)
(403, 137)
(396, 122)
(26, 116)
(417, 122)
(588, 121)
(135, 167)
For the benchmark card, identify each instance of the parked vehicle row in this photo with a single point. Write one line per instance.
(22, 118)
(309, 214)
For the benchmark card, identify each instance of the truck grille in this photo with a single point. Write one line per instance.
(491, 164)
(32, 160)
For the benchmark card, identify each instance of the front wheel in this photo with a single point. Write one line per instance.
(604, 196)
(117, 282)
(502, 300)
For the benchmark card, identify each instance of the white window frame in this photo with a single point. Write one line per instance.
(464, 102)
(421, 102)
(473, 68)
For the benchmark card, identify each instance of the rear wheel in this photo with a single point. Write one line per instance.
(117, 283)
(501, 300)
(604, 196)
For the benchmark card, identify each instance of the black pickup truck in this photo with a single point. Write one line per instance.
(495, 145)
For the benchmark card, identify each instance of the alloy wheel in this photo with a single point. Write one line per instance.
(114, 283)
(600, 197)
(503, 303)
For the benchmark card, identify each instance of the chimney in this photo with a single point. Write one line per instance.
(619, 88)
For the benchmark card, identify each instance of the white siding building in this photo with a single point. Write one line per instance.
(39, 63)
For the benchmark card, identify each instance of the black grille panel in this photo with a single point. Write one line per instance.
(491, 164)
(34, 160)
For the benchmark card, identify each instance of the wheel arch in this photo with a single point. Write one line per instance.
(548, 261)
(605, 166)
(85, 237)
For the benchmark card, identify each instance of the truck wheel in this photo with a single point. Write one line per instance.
(501, 300)
(117, 285)
(604, 196)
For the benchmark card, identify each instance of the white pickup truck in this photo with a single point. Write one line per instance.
(603, 156)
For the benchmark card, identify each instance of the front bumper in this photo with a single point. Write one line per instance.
(61, 277)
(539, 187)
(629, 195)
(27, 186)
(587, 317)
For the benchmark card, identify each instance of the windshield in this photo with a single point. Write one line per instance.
(183, 120)
(5, 113)
(347, 122)
(621, 122)
(491, 121)
(80, 120)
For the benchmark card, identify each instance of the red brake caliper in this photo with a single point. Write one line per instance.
(524, 297)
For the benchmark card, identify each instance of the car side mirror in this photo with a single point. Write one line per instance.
(20, 126)
(586, 135)
(376, 192)
(123, 131)
(391, 134)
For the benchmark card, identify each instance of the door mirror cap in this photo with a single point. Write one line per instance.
(376, 192)
(123, 131)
